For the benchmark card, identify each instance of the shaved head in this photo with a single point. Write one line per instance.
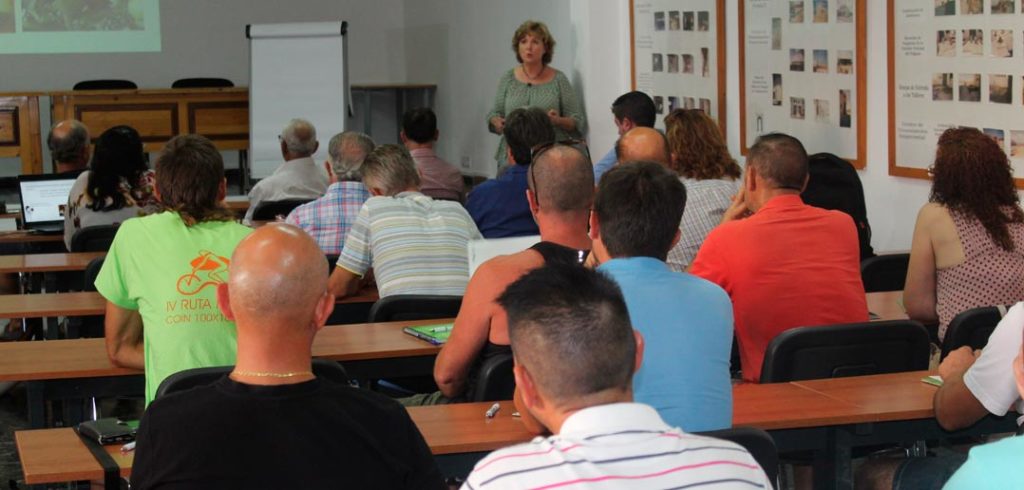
(276, 277)
(643, 144)
(562, 178)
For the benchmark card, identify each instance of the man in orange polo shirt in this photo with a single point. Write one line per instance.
(784, 264)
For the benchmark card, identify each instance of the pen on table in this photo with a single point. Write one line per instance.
(441, 329)
(127, 448)
(493, 410)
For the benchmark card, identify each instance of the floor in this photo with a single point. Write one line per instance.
(12, 418)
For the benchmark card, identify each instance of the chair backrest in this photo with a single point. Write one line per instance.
(972, 327)
(202, 82)
(402, 307)
(848, 349)
(332, 262)
(105, 85)
(270, 210)
(494, 380)
(92, 271)
(834, 184)
(758, 443)
(190, 378)
(884, 272)
(93, 238)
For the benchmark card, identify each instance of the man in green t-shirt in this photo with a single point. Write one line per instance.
(160, 277)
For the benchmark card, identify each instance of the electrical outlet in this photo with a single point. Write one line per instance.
(464, 162)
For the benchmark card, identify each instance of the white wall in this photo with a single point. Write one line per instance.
(464, 46)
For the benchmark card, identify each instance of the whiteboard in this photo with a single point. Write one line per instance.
(297, 70)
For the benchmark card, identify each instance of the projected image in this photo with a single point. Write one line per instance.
(82, 15)
(6, 15)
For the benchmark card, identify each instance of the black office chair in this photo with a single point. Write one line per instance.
(87, 327)
(884, 272)
(191, 378)
(402, 307)
(972, 327)
(93, 238)
(105, 85)
(202, 82)
(270, 210)
(849, 349)
(494, 380)
(758, 443)
(332, 262)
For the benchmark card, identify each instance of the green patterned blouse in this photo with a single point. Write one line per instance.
(557, 94)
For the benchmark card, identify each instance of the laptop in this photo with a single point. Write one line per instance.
(43, 201)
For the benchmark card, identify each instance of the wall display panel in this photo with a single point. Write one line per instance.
(678, 51)
(803, 72)
(954, 63)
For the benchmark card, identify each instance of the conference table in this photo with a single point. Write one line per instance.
(829, 416)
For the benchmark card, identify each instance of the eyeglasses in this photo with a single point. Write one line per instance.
(539, 150)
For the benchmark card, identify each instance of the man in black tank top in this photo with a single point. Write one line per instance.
(561, 192)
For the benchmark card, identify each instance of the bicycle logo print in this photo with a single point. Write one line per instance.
(208, 269)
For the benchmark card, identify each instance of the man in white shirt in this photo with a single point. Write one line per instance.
(575, 355)
(298, 177)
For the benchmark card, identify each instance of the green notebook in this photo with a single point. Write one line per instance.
(435, 334)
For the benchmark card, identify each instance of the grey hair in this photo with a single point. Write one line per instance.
(347, 151)
(391, 168)
(300, 137)
(70, 147)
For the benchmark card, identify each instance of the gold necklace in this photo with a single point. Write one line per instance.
(268, 374)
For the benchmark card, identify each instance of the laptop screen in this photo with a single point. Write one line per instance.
(44, 199)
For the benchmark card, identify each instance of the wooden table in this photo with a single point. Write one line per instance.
(824, 410)
(19, 130)
(92, 303)
(23, 236)
(51, 262)
(220, 114)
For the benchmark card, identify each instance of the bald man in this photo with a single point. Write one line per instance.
(643, 144)
(271, 423)
(560, 194)
(68, 142)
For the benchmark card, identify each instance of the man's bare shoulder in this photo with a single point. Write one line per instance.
(507, 268)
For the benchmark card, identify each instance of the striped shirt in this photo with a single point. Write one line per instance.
(416, 245)
(706, 202)
(621, 445)
(329, 218)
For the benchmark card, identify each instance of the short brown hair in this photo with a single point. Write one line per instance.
(780, 159)
(189, 172)
(698, 146)
(540, 31)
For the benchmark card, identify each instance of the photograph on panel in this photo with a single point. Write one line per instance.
(1004, 6)
(942, 86)
(844, 62)
(971, 7)
(820, 11)
(821, 111)
(796, 107)
(796, 60)
(796, 11)
(844, 11)
(970, 87)
(945, 43)
(1002, 43)
(845, 111)
(820, 60)
(1000, 89)
(974, 42)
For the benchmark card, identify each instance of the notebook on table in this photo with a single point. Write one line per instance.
(435, 334)
(44, 200)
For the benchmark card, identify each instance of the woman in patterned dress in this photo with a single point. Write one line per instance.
(968, 245)
(535, 84)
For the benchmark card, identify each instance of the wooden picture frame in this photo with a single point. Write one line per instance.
(719, 59)
(860, 84)
(978, 113)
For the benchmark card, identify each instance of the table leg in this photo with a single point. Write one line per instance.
(833, 467)
(36, 404)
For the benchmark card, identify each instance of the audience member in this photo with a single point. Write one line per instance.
(498, 206)
(685, 320)
(329, 218)
(298, 177)
(711, 176)
(575, 355)
(271, 423)
(68, 142)
(560, 195)
(968, 246)
(997, 463)
(630, 110)
(787, 264)
(439, 179)
(416, 245)
(157, 274)
(643, 144)
(119, 186)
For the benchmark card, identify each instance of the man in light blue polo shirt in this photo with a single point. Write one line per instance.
(686, 321)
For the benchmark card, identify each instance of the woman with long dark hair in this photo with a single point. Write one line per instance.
(968, 246)
(117, 186)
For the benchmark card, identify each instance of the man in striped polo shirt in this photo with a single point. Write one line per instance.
(416, 245)
(575, 354)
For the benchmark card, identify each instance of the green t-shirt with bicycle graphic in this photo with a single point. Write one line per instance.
(169, 273)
